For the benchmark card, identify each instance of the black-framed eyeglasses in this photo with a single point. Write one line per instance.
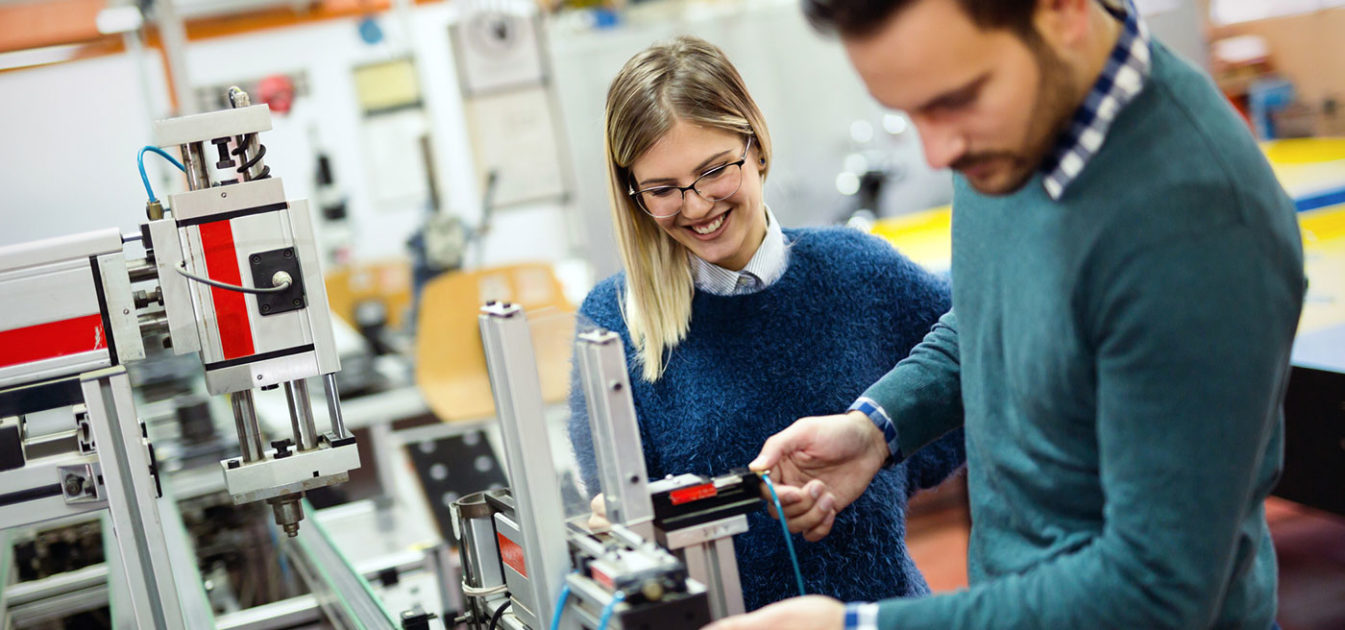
(716, 184)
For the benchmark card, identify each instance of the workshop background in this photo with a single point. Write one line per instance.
(451, 152)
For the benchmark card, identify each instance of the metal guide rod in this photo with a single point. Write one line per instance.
(616, 434)
(194, 160)
(518, 403)
(132, 492)
(249, 429)
(334, 405)
(301, 415)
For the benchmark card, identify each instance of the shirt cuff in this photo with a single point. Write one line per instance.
(880, 419)
(861, 616)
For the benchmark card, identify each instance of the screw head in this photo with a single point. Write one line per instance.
(616, 386)
(126, 311)
(266, 308)
(223, 194)
(73, 485)
(259, 377)
(297, 302)
(289, 253)
(255, 259)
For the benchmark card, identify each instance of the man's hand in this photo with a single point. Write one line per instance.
(813, 612)
(819, 466)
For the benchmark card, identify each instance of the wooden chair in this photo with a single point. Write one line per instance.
(388, 282)
(450, 361)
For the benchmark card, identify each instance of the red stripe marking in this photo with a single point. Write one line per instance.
(602, 578)
(231, 310)
(52, 339)
(694, 493)
(512, 554)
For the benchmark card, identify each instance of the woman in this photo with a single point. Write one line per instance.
(735, 327)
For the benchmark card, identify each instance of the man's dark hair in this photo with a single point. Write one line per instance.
(860, 18)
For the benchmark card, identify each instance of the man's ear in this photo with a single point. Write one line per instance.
(1063, 24)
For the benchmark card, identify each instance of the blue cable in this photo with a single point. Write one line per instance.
(617, 598)
(144, 177)
(560, 606)
(789, 539)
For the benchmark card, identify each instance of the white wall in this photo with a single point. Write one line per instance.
(806, 89)
(73, 130)
(71, 133)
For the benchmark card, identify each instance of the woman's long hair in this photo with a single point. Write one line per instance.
(686, 79)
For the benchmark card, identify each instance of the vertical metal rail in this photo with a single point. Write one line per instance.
(132, 495)
(301, 415)
(616, 434)
(334, 405)
(250, 439)
(532, 475)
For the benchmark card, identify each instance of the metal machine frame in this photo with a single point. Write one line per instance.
(235, 277)
(518, 541)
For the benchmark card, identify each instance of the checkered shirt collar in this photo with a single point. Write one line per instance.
(1121, 80)
(765, 267)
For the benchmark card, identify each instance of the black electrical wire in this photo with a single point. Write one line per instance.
(499, 612)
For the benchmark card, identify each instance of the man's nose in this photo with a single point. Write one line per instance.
(944, 145)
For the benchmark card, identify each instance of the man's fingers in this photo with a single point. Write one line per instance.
(770, 453)
(777, 447)
(822, 529)
(813, 516)
(802, 499)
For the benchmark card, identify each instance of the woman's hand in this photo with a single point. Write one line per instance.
(597, 521)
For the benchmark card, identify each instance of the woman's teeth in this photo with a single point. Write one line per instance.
(709, 227)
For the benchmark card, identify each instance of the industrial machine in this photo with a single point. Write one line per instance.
(230, 271)
(667, 561)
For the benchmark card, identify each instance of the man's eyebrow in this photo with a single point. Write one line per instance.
(955, 94)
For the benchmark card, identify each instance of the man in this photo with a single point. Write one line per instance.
(1127, 278)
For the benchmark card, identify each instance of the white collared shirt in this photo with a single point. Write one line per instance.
(765, 267)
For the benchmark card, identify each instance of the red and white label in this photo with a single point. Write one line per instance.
(694, 493)
(512, 554)
(52, 339)
(602, 578)
(231, 309)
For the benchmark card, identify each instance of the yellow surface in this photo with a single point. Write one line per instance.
(1308, 165)
(924, 237)
(450, 360)
(1303, 166)
(1324, 260)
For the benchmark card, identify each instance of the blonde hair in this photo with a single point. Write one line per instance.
(685, 79)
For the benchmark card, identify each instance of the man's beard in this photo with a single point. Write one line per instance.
(1053, 110)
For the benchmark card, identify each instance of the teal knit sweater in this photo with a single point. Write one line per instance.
(1118, 359)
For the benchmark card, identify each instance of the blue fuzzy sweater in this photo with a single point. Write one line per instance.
(846, 310)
